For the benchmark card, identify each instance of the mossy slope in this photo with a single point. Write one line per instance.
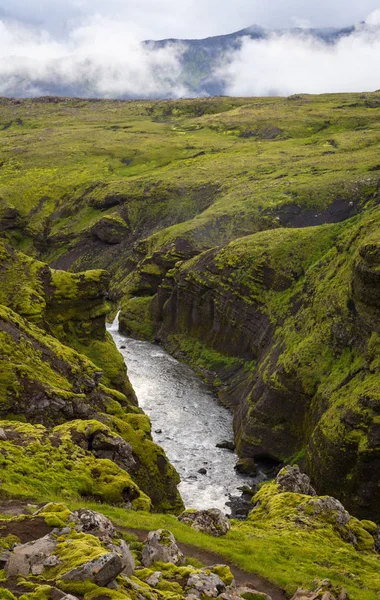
(59, 364)
(294, 312)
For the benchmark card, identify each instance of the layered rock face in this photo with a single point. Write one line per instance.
(288, 323)
(64, 391)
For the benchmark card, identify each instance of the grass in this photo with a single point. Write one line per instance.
(205, 196)
(288, 558)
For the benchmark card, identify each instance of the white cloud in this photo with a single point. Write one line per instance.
(374, 18)
(189, 18)
(102, 57)
(285, 65)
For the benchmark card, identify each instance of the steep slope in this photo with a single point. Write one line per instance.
(157, 192)
(45, 317)
(294, 316)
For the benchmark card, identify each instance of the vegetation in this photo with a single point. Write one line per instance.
(242, 233)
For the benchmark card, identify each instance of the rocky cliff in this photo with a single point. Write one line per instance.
(68, 409)
(293, 318)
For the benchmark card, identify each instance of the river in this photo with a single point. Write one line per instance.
(187, 421)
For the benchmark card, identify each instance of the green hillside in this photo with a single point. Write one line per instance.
(243, 234)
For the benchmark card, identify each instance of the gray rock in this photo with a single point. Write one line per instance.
(4, 557)
(3, 435)
(51, 561)
(211, 521)
(331, 509)
(94, 523)
(154, 579)
(30, 558)
(100, 571)
(246, 593)
(161, 546)
(290, 479)
(324, 591)
(126, 556)
(208, 584)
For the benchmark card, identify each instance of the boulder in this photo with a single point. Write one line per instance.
(246, 466)
(226, 444)
(30, 558)
(161, 546)
(205, 584)
(211, 521)
(97, 524)
(154, 579)
(100, 571)
(93, 522)
(122, 549)
(251, 594)
(3, 435)
(324, 591)
(331, 509)
(114, 448)
(290, 479)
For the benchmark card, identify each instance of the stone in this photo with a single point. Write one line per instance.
(246, 466)
(331, 509)
(51, 561)
(113, 448)
(249, 593)
(161, 546)
(4, 558)
(227, 445)
(211, 521)
(94, 523)
(154, 579)
(203, 471)
(126, 556)
(324, 591)
(29, 558)
(290, 479)
(100, 571)
(208, 584)
(3, 435)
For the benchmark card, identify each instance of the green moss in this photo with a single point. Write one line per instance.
(8, 541)
(41, 592)
(6, 595)
(136, 319)
(45, 467)
(103, 593)
(224, 573)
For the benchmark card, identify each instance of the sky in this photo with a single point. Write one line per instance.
(156, 19)
(93, 47)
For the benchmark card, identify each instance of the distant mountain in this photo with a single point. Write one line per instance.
(201, 57)
(196, 69)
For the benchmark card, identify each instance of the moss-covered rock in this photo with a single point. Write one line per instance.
(291, 307)
(59, 367)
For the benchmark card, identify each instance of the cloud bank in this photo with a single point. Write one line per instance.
(289, 64)
(103, 57)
